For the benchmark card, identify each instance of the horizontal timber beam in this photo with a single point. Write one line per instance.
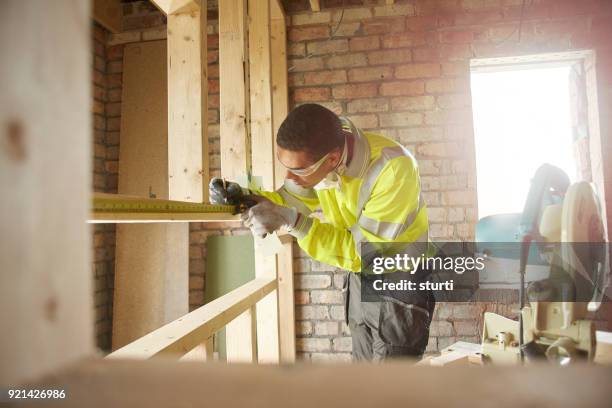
(188, 332)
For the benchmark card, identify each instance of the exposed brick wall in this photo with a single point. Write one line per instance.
(405, 75)
(404, 72)
(105, 150)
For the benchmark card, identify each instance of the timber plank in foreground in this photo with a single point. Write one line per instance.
(161, 383)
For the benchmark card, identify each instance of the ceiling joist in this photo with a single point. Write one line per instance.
(315, 5)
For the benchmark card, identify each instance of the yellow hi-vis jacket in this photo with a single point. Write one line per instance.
(378, 200)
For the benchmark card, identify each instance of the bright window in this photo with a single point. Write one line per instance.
(521, 121)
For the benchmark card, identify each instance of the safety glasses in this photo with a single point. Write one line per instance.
(307, 171)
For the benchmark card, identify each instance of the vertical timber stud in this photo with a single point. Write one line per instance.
(234, 91)
(280, 107)
(45, 176)
(187, 106)
(262, 148)
(280, 97)
(235, 141)
(286, 302)
(241, 338)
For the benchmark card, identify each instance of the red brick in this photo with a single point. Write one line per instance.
(460, 132)
(311, 94)
(412, 103)
(454, 101)
(394, 10)
(347, 61)
(426, 54)
(347, 29)
(455, 52)
(348, 14)
(310, 281)
(97, 107)
(368, 121)
(99, 78)
(99, 64)
(364, 43)
(213, 41)
(447, 85)
(411, 71)
(368, 105)
(334, 106)
(295, 79)
(322, 17)
(312, 344)
(114, 80)
(384, 25)
(213, 71)
(384, 57)
(402, 88)
(312, 312)
(355, 91)
(456, 37)
(421, 23)
(212, 56)
(100, 94)
(439, 149)
(114, 67)
(326, 297)
(327, 47)
(196, 282)
(448, 116)
(114, 95)
(473, 5)
(369, 74)
(296, 49)
(196, 297)
(98, 48)
(459, 68)
(478, 18)
(502, 33)
(302, 297)
(401, 40)
(308, 33)
(213, 86)
(326, 328)
(113, 109)
(306, 64)
(422, 134)
(571, 8)
(466, 328)
(99, 33)
(324, 77)
(400, 119)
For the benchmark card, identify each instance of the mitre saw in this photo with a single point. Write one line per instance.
(562, 225)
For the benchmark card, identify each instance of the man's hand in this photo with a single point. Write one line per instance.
(267, 217)
(224, 192)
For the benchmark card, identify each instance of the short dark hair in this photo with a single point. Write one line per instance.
(311, 128)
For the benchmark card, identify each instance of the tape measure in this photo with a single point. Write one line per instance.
(121, 204)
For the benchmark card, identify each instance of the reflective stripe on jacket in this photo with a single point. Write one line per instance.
(378, 200)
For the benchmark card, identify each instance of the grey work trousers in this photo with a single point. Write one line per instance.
(385, 329)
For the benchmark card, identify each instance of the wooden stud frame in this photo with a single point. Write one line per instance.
(151, 279)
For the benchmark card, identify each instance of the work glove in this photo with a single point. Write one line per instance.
(225, 192)
(266, 217)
